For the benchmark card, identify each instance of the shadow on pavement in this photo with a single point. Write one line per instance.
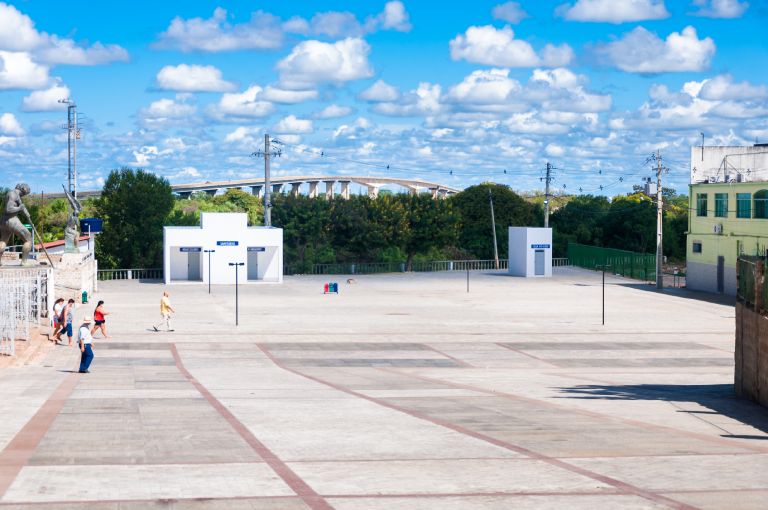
(720, 398)
(718, 299)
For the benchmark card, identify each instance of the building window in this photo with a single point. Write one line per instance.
(761, 204)
(721, 205)
(696, 247)
(701, 204)
(743, 205)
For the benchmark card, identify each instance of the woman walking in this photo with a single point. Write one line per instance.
(99, 321)
(58, 306)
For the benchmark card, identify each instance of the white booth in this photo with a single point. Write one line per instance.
(530, 251)
(186, 257)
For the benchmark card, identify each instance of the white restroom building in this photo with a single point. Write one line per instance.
(186, 260)
(530, 251)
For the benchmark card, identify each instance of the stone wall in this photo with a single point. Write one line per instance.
(74, 272)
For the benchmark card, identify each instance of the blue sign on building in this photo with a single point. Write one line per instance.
(227, 243)
(534, 246)
(190, 249)
(91, 225)
(256, 248)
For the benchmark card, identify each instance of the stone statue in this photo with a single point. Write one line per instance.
(72, 230)
(10, 223)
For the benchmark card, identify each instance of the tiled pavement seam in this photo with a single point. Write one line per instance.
(312, 499)
(628, 421)
(626, 488)
(18, 452)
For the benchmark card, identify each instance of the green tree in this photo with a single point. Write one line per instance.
(431, 224)
(305, 223)
(510, 209)
(631, 224)
(580, 221)
(134, 205)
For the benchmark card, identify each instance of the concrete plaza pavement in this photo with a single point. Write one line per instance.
(403, 391)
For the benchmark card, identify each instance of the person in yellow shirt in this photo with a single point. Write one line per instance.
(165, 311)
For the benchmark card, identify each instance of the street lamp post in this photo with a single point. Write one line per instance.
(236, 264)
(209, 268)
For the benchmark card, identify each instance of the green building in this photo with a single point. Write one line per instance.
(728, 214)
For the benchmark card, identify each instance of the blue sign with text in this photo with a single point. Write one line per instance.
(189, 249)
(534, 246)
(256, 248)
(227, 243)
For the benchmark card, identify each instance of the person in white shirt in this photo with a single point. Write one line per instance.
(86, 349)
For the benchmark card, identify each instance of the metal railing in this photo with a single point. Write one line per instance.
(640, 266)
(396, 267)
(129, 274)
(752, 284)
(560, 262)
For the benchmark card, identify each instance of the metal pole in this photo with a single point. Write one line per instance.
(659, 233)
(74, 152)
(493, 226)
(237, 305)
(603, 294)
(546, 196)
(209, 268)
(267, 204)
(69, 148)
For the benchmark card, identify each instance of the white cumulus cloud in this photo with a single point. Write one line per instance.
(10, 126)
(192, 78)
(286, 96)
(242, 104)
(215, 34)
(333, 111)
(46, 100)
(614, 11)
(511, 12)
(498, 47)
(721, 8)
(167, 112)
(18, 33)
(641, 51)
(293, 125)
(19, 71)
(379, 92)
(311, 62)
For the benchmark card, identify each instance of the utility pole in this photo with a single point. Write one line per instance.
(547, 180)
(267, 185)
(659, 233)
(73, 134)
(493, 226)
(271, 149)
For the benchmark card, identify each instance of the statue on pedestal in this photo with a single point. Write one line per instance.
(72, 230)
(10, 223)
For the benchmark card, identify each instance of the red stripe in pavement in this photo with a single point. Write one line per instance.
(617, 484)
(299, 486)
(456, 360)
(17, 453)
(584, 412)
(548, 362)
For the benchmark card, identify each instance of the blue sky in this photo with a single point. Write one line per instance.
(454, 93)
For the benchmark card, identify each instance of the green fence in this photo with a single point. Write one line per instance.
(640, 266)
(752, 285)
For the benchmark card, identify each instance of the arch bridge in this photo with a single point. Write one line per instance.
(293, 186)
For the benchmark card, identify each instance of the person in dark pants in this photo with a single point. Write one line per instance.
(85, 339)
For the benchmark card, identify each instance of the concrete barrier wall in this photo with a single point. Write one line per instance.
(751, 356)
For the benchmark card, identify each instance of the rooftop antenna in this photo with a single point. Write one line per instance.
(702, 146)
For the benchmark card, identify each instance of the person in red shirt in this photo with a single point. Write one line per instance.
(99, 319)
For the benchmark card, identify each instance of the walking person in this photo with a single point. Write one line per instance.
(165, 311)
(99, 321)
(85, 339)
(67, 316)
(58, 306)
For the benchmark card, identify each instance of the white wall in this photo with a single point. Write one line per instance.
(523, 243)
(723, 163)
(225, 227)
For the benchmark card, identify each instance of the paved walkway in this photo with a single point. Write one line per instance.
(404, 391)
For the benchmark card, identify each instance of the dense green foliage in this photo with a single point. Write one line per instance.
(626, 222)
(134, 206)
(390, 228)
(511, 210)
